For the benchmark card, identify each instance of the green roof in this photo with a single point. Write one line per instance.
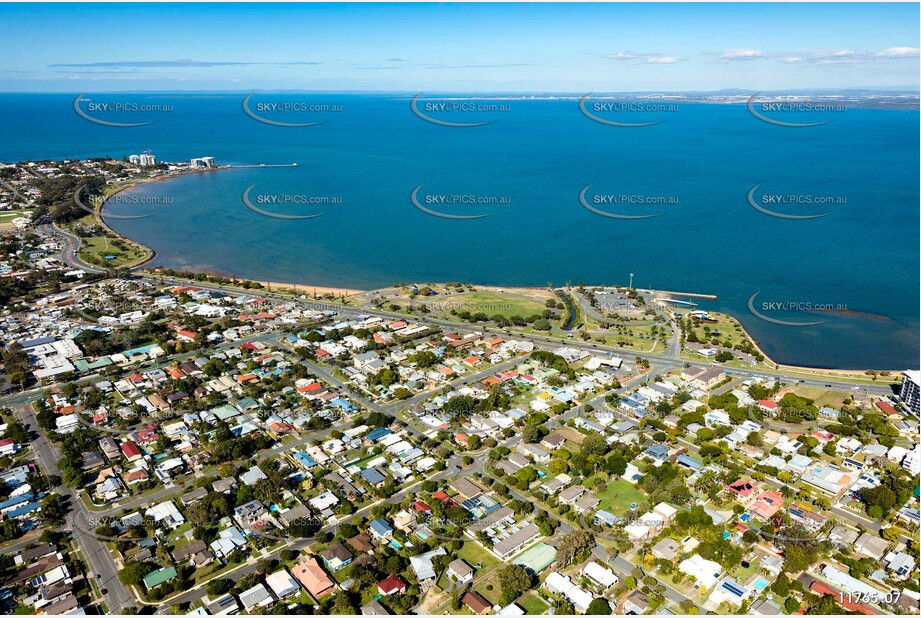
(155, 578)
(225, 411)
(247, 402)
(538, 557)
(83, 365)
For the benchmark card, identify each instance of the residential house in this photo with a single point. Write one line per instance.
(336, 556)
(313, 578)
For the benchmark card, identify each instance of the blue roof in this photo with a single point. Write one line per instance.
(31, 343)
(344, 404)
(26, 497)
(24, 509)
(690, 462)
(608, 518)
(658, 451)
(381, 527)
(372, 476)
(376, 434)
(304, 459)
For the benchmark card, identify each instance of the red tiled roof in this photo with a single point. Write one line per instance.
(476, 602)
(392, 584)
(885, 407)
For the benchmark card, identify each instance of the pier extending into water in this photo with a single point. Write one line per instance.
(684, 294)
(675, 301)
(262, 165)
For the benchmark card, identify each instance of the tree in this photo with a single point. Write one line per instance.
(527, 474)
(598, 607)
(781, 586)
(573, 545)
(53, 509)
(132, 574)
(615, 464)
(595, 444)
(891, 533)
(530, 433)
(219, 586)
(515, 581)
(287, 555)
(796, 559)
(344, 605)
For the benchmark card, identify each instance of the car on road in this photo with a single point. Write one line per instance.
(97, 576)
(829, 386)
(104, 591)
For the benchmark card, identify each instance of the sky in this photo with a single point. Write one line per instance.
(456, 47)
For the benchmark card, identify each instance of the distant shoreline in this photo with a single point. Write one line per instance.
(319, 292)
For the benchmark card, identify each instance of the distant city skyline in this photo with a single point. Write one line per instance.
(458, 47)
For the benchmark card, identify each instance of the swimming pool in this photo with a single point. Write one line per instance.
(760, 584)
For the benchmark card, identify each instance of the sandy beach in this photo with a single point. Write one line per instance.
(311, 290)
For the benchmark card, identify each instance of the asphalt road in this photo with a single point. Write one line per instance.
(98, 559)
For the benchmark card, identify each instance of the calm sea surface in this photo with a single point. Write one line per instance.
(526, 171)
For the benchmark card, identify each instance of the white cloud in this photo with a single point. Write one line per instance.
(898, 52)
(837, 56)
(662, 60)
(645, 58)
(731, 55)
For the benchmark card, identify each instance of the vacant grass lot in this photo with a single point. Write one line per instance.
(491, 303)
(617, 497)
(532, 604)
(476, 556)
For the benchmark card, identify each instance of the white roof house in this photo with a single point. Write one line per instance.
(282, 583)
(600, 575)
(560, 584)
(706, 572)
(422, 564)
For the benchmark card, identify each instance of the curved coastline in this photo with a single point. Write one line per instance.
(325, 289)
(100, 211)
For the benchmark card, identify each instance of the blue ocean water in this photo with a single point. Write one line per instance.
(862, 258)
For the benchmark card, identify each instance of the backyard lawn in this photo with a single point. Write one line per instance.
(474, 555)
(617, 497)
(532, 604)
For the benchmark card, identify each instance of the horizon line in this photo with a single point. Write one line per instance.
(916, 90)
